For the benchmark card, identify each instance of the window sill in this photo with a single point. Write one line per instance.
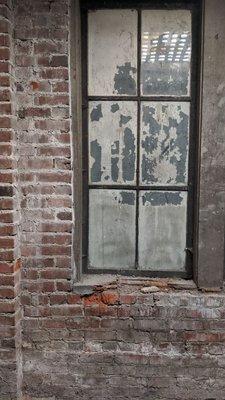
(91, 283)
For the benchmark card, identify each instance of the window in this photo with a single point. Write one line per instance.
(139, 114)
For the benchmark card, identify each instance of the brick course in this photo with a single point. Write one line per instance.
(112, 341)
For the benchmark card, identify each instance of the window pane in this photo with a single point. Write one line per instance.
(112, 229)
(112, 142)
(164, 143)
(112, 52)
(162, 230)
(166, 52)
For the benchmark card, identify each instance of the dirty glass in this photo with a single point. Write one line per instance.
(165, 52)
(162, 230)
(112, 229)
(138, 128)
(112, 52)
(164, 143)
(112, 142)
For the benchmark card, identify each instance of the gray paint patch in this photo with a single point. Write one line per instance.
(96, 113)
(124, 120)
(124, 80)
(128, 161)
(115, 107)
(114, 169)
(96, 153)
(127, 198)
(115, 147)
(162, 198)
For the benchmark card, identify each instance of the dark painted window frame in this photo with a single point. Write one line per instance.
(209, 277)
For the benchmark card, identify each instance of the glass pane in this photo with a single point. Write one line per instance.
(112, 229)
(164, 143)
(112, 52)
(162, 230)
(166, 52)
(112, 142)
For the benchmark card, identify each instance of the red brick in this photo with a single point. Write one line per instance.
(54, 151)
(110, 297)
(6, 204)
(5, 136)
(5, 95)
(57, 239)
(36, 112)
(65, 216)
(7, 307)
(54, 177)
(4, 53)
(6, 177)
(56, 250)
(5, 108)
(5, 26)
(60, 87)
(5, 149)
(52, 100)
(6, 218)
(4, 81)
(6, 255)
(5, 67)
(7, 293)
(6, 230)
(45, 47)
(5, 122)
(6, 267)
(7, 243)
(4, 40)
(55, 73)
(59, 61)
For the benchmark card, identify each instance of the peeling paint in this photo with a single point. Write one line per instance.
(96, 153)
(114, 169)
(115, 147)
(162, 198)
(164, 143)
(124, 120)
(96, 113)
(127, 198)
(128, 161)
(112, 52)
(124, 79)
(115, 107)
(116, 134)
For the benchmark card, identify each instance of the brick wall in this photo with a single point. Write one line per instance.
(112, 340)
(10, 314)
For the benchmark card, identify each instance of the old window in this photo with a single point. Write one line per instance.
(139, 79)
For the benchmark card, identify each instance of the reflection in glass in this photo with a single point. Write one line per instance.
(166, 52)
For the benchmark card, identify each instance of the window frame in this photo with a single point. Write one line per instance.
(191, 242)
